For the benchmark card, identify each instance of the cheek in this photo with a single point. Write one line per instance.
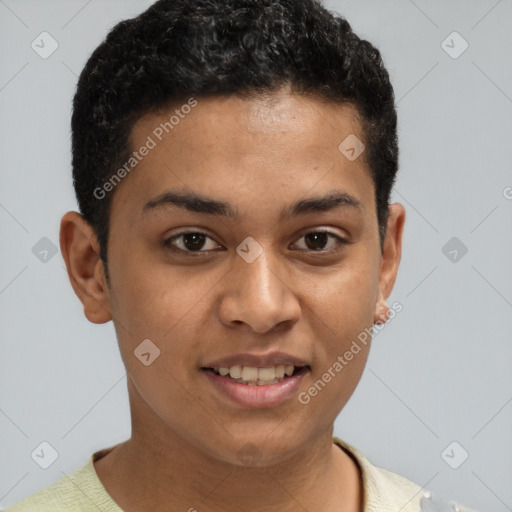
(153, 300)
(172, 309)
(163, 393)
(341, 350)
(346, 300)
(163, 309)
(342, 309)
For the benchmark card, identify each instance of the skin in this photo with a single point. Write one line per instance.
(259, 155)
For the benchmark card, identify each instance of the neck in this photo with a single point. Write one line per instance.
(156, 468)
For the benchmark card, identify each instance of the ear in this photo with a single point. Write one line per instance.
(390, 260)
(80, 249)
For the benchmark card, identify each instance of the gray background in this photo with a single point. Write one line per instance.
(439, 372)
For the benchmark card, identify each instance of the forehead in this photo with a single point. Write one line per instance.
(281, 113)
(271, 146)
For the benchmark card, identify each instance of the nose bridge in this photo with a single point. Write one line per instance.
(257, 279)
(258, 295)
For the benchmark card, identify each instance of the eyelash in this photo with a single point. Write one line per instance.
(341, 242)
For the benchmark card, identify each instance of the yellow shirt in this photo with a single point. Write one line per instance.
(83, 491)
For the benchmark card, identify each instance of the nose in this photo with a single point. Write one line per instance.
(259, 295)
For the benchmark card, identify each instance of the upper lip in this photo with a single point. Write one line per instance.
(255, 360)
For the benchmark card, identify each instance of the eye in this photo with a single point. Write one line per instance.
(191, 242)
(188, 242)
(316, 241)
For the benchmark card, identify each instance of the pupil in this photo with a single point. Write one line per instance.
(197, 240)
(319, 239)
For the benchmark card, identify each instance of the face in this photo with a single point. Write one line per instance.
(244, 237)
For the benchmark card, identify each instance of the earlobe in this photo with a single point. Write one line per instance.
(390, 261)
(381, 311)
(80, 250)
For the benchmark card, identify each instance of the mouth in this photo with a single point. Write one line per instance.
(256, 387)
(256, 376)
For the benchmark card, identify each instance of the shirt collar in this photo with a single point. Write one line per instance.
(383, 490)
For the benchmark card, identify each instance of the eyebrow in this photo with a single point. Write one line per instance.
(200, 204)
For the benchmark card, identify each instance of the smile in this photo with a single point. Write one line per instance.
(254, 376)
(251, 386)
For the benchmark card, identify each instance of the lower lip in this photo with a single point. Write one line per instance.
(257, 396)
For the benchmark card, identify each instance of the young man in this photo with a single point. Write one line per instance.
(233, 162)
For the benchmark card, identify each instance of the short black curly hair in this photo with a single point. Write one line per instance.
(177, 49)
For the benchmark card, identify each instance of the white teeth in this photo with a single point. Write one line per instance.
(289, 369)
(257, 376)
(266, 373)
(280, 370)
(235, 372)
(249, 373)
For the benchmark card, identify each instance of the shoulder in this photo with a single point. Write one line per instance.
(58, 497)
(430, 504)
(81, 491)
(385, 490)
